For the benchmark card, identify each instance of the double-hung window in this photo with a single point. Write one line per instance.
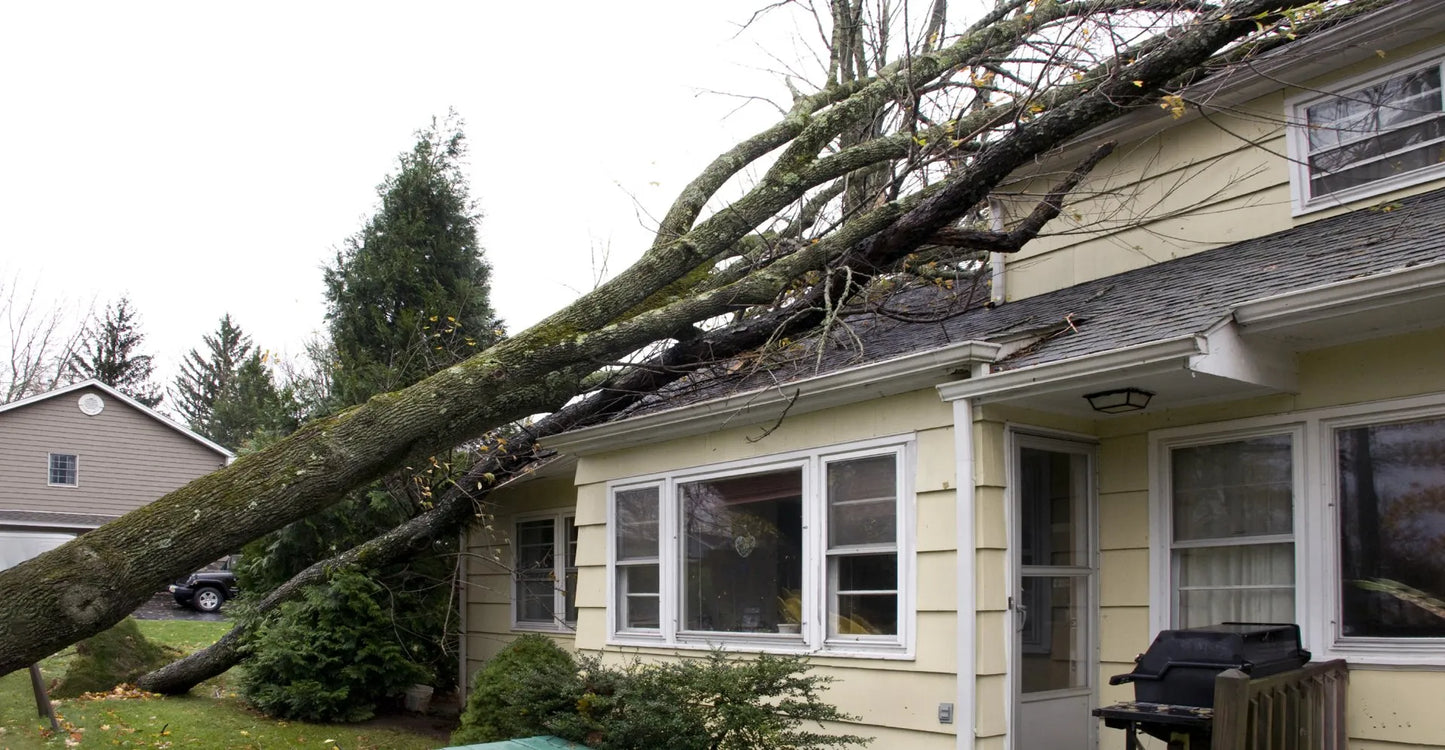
(64, 470)
(1231, 530)
(805, 552)
(1368, 138)
(545, 572)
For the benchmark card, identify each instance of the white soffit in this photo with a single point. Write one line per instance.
(1373, 306)
(911, 372)
(1199, 368)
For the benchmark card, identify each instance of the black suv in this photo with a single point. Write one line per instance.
(206, 590)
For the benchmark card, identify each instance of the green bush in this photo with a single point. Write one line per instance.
(115, 656)
(332, 656)
(518, 690)
(712, 703)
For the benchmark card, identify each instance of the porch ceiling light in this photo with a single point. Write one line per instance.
(1119, 401)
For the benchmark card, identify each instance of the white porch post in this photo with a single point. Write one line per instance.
(964, 575)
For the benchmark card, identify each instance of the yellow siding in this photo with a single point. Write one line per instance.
(1164, 196)
(1387, 708)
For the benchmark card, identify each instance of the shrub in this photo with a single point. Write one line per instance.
(330, 656)
(106, 659)
(518, 690)
(713, 703)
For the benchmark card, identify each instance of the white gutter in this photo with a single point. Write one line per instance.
(1401, 287)
(965, 723)
(1159, 356)
(919, 370)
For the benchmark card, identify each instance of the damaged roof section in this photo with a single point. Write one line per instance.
(948, 332)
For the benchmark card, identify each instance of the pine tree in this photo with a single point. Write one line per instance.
(408, 294)
(250, 407)
(205, 376)
(110, 354)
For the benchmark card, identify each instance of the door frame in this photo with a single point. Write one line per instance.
(1018, 437)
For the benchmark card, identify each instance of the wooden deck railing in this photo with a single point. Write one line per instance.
(1303, 709)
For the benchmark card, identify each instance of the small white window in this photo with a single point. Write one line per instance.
(64, 470)
(1380, 136)
(1232, 531)
(545, 574)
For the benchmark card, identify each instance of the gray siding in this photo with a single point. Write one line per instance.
(127, 458)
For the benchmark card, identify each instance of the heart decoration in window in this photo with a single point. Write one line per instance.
(745, 544)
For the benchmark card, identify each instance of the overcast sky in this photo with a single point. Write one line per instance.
(205, 158)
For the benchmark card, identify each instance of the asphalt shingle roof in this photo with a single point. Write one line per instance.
(1155, 303)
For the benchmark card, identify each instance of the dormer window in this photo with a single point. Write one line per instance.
(64, 470)
(1382, 135)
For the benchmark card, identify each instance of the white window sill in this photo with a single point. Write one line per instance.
(544, 627)
(1427, 655)
(767, 645)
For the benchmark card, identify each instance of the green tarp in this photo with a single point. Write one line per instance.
(526, 743)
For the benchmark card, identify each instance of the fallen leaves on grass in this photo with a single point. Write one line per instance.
(123, 692)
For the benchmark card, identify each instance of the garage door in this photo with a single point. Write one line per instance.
(18, 546)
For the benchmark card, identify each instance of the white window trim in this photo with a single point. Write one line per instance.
(559, 556)
(50, 470)
(1297, 144)
(1317, 571)
(815, 567)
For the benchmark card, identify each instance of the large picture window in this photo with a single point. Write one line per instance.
(1366, 139)
(1232, 531)
(1392, 529)
(803, 553)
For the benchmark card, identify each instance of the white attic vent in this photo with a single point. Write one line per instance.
(92, 404)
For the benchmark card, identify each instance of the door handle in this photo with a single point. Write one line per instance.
(1021, 616)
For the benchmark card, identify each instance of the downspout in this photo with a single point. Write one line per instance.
(964, 574)
(464, 568)
(997, 293)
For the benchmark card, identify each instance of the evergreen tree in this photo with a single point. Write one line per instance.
(205, 376)
(110, 353)
(251, 408)
(408, 294)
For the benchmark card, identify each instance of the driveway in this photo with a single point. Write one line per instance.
(163, 607)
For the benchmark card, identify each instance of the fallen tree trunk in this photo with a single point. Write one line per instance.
(457, 506)
(92, 582)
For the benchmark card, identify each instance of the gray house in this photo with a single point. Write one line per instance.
(79, 456)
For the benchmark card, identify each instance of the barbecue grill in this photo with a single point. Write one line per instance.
(1174, 679)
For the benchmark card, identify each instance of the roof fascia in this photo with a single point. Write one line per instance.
(113, 393)
(1158, 356)
(1343, 298)
(917, 370)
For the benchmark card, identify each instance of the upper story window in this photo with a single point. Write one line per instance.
(64, 470)
(1382, 135)
(807, 553)
(545, 551)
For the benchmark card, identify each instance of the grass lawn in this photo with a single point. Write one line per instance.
(212, 716)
